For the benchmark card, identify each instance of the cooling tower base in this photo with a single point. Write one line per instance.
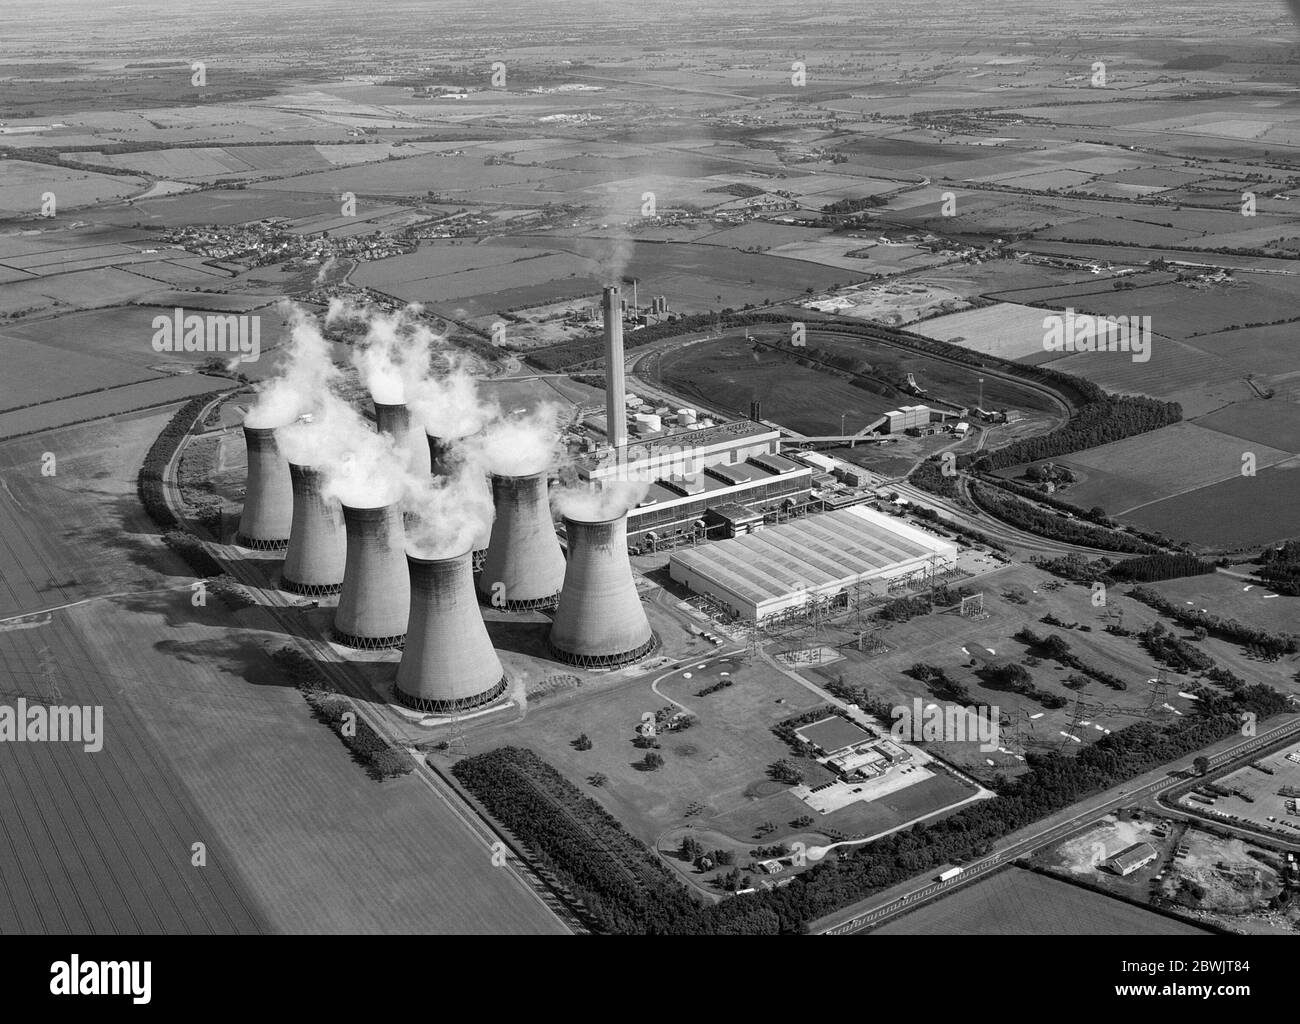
(531, 605)
(432, 706)
(606, 660)
(310, 589)
(479, 556)
(368, 643)
(254, 544)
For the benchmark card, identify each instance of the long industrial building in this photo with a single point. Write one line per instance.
(695, 470)
(781, 567)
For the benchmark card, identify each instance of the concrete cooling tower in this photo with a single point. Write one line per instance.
(314, 562)
(440, 455)
(448, 663)
(600, 622)
(395, 421)
(376, 595)
(524, 566)
(268, 500)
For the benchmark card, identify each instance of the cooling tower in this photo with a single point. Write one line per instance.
(268, 501)
(524, 566)
(376, 594)
(600, 622)
(440, 455)
(615, 392)
(395, 421)
(318, 545)
(448, 663)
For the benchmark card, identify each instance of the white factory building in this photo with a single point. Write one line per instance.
(779, 568)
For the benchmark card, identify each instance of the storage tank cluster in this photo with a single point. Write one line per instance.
(391, 597)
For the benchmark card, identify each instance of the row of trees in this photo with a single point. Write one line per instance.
(381, 759)
(1032, 519)
(1104, 419)
(1280, 568)
(1271, 644)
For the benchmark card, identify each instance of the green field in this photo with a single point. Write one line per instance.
(1020, 902)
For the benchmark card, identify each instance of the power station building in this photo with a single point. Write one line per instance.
(780, 568)
(693, 471)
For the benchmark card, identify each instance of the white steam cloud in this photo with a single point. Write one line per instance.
(591, 503)
(303, 375)
(450, 407)
(518, 445)
(359, 466)
(448, 516)
(393, 358)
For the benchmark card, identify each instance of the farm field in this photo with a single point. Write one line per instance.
(1238, 514)
(1020, 902)
(25, 182)
(224, 206)
(1175, 372)
(1150, 467)
(1275, 422)
(84, 289)
(124, 399)
(39, 373)
(1006, 330)
(124, 334)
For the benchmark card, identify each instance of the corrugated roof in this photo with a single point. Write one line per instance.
(812, 553)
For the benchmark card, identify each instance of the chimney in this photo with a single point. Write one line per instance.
(314, 563)
(600, 622)
(395, 421)
(524, 567)
(448, 663)
(376, 595)
(268, 500)
(615, 392)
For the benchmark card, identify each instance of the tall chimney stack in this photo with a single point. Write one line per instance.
(524, 567)
(448, 663)
(314, 562)
(376, 595)
(395, 421)
(265, 522)
(615, 392)
(600, 622)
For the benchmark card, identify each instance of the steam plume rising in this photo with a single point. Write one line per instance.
(304, 373)
(446, 515)
(360, 467)
(597, 504)
(519, 445)
(450, 407)
(394, 356)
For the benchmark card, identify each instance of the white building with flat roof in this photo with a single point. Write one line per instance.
(820, 556)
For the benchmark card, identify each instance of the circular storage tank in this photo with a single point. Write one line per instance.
(686, 417)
